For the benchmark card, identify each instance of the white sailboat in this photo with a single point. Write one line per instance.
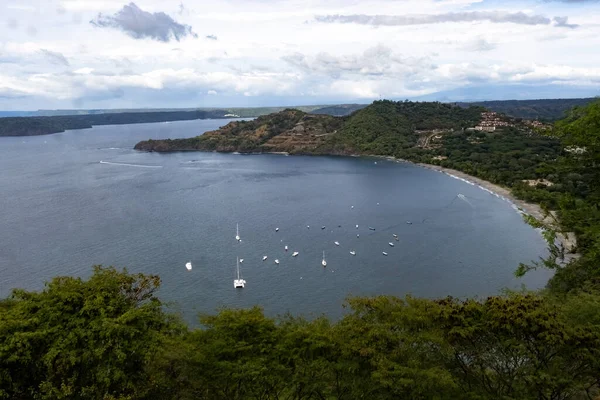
(241, 260)
(384, 253)
(391, 244)
(237, 232)
(239, 282)
(394, 235)
(277, 261)
(286, 248)
(264, 258)
(356, 226)
(324, 263)
(353, 252)
(294, 254)
(188, 265)
(337, 243)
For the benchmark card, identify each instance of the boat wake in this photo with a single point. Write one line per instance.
(131, 165)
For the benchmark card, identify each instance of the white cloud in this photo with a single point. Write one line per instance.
(270, 51)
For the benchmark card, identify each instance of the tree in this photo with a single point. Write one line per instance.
(84, 339)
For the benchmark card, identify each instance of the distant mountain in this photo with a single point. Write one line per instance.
(339, 110)
(32, 126)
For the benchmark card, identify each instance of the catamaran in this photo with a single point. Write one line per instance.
(239, 282)
(188, 265)
(237, 232)
(324, 263)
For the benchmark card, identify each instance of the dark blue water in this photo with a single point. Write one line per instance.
(75, 199)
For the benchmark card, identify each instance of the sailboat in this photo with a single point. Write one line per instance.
(324, 263)
(353, 252)
(294, 254)
(337, 243)
(239, 282)
(277, 261)
(384, 253)
(394, 235)
(286, 248)
(237, 232)
(264, 258)
(188, 265)
(391, 244)
(356, 226)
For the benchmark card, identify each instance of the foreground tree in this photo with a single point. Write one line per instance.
(81, 339)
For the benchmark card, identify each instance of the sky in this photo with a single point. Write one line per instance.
(82, 54)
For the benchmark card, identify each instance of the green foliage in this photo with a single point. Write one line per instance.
(388, 127)
(108, 338)
(542, 109)
(82, 339)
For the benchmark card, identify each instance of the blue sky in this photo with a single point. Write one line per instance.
(151, 53)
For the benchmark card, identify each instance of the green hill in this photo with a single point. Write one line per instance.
(542, 109)
(383, 128)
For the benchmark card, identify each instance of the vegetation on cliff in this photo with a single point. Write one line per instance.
(379, 129)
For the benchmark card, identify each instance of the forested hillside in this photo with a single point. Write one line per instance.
(542, 109)
(31, 126)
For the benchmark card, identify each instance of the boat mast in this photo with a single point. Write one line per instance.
(238, 268)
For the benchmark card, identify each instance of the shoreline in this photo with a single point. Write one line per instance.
(567, 240)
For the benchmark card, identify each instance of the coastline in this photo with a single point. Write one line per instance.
(567, 240)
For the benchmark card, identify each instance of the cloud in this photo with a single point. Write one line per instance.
(211, 92)
(141, 24)
(55, 57)
(211, 37)
(573, 1)
(374, 61)
(422, 19)
(562, 22)
(479, 44)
